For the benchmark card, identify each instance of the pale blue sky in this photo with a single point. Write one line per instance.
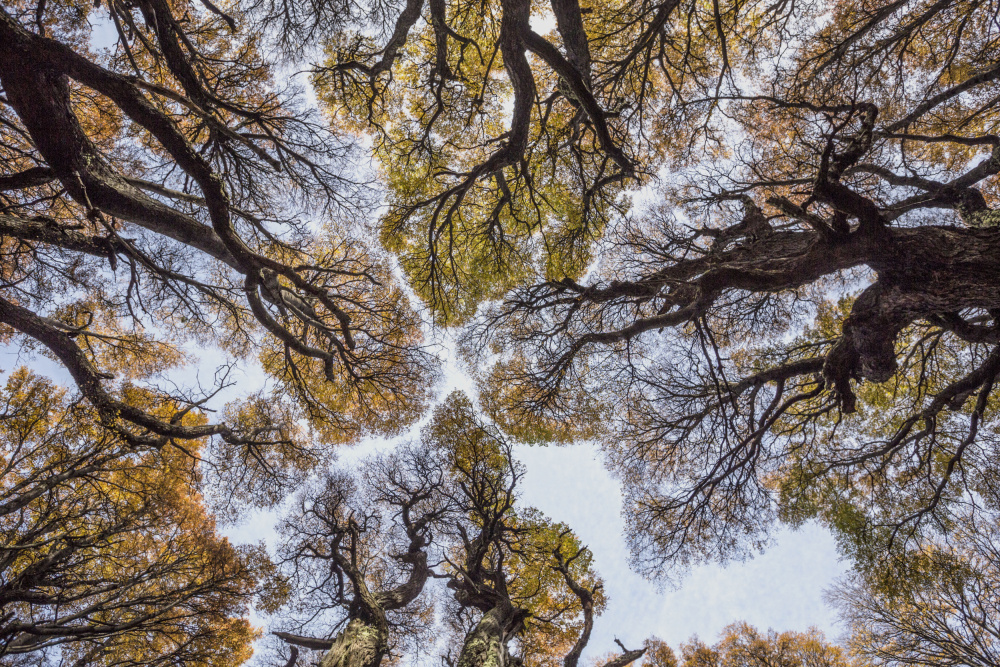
(780, 589)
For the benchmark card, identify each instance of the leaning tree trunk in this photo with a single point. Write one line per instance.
(486, 645)
(361, 644)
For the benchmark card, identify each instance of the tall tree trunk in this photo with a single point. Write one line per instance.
(361, 644)
(486, 645)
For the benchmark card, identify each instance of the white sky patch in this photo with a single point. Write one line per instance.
(780, 589)
(103, 34)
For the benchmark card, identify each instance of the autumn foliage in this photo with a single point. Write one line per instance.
(749, 249)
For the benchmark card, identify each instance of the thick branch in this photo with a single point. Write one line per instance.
(305, 642)
(29, 178)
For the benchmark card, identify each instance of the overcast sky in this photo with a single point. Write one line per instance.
(781, 589)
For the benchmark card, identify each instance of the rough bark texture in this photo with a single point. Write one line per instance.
(486, 645)
(922, 273)
(360, 645)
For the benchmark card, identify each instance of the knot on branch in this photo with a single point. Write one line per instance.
(866, 350)
(752, 227)
(974, 211)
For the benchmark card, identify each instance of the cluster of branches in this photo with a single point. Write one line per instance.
(807, 324)
(498, 136)
(107, 555)
(164, 192)
(944, 611)
(362, 552)
(821, 149)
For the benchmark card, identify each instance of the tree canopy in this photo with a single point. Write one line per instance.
(108, 554)
(749, 248)
(361, 554)
(163, 193)
(807, 306)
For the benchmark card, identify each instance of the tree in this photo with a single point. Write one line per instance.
(742, 645)
(710, 350)
(506, 152)
(361, 550)
(341, 558)
(107, 554)
(165, 192)
(939, 606)
(514, 574)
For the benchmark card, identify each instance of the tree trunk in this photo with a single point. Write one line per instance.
(359, 645)
(486, 645)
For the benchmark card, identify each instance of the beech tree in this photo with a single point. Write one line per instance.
(361, 551)
(484, 196)
(107, 554)
(353, 578)
(809, 307)
(173, 190)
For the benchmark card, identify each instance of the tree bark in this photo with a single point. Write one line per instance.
(360, 644)
(486, 645)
